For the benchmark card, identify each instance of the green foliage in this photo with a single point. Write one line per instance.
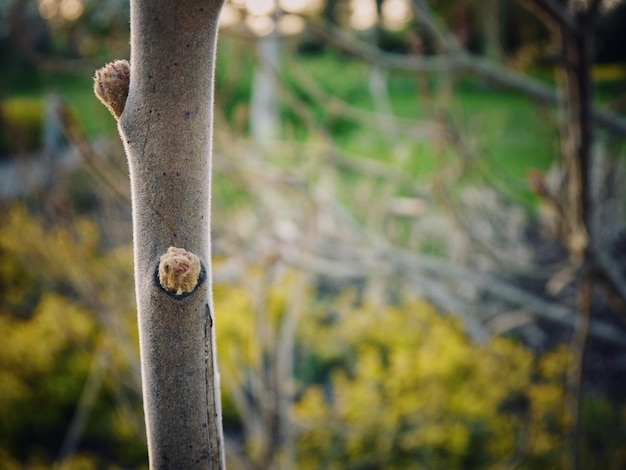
(399, 387)
(59, 295)
(407, 389)
(42, 369)
(376, 386)
(604, 447)
(21, 123)
(23, 107)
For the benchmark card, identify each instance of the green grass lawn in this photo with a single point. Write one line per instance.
(25, 91)
(506, 132)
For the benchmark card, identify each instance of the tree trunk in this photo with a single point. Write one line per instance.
(492, 33)
(264, 118)
(166, 126)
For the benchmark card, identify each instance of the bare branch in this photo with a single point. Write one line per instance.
(348, 263)
(557, 12)
(424, 16)
(459, 61)
(611, 271)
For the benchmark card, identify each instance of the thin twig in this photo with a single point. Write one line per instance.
(575, 372)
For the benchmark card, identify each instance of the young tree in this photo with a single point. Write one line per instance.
(164, 107)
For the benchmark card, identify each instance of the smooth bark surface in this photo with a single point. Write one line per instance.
(166, 127)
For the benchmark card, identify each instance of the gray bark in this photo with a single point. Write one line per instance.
(264, 101)
(166, 127)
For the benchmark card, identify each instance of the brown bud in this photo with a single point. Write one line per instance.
(179, 271)
(111, 84)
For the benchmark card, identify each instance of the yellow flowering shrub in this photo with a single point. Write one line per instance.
(407, 389)
(63, 302)
(371, 387)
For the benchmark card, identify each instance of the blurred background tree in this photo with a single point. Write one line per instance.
(414, 265)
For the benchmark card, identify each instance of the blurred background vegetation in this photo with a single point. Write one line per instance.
(417, 264)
